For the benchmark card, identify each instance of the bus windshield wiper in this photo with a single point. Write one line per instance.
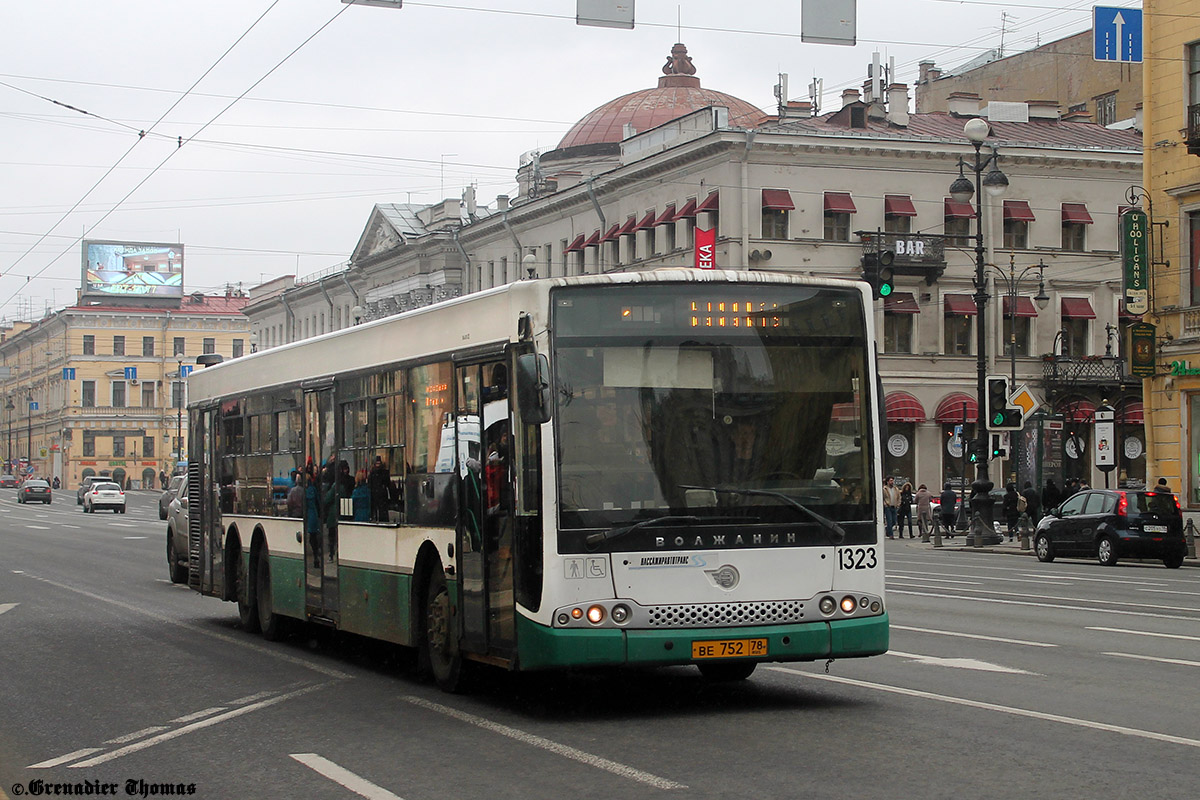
(837, 534)
(594, 539)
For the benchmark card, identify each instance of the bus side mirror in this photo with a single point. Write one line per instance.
(533, 388)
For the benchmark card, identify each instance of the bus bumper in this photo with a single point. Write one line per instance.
(541, 647)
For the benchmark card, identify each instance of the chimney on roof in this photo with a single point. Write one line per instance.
(795, 109)
(1077, 116)
(1137, 118)
(897, 107)
(502, 202)
(927, 72)
(963, 104)
(850, 96)
(1043, 109)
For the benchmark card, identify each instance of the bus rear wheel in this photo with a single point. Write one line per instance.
(268, 621)
(727, 670)
(439, 641)
(244, 591)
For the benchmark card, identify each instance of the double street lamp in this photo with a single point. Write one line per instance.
(995, 183)
(1012, 285)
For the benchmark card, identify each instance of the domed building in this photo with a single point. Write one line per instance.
(593, 144)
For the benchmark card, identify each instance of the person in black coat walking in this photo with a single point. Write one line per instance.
(1051, 497)
(948, 501)
(1011, 514)
(1033, 503)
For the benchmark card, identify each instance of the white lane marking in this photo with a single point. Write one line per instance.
(135, 537)
(1180, 661)
(241, 701)
(199, 714)
(237, 640)
(1108, 580)
(566, 751)
(1058, 605)
(1169, 591)
(1002, 640)
(1146, 633)
(1019, 712)
(54, 762)
(977, 566)
(123, 525)
(344, 777)
(926, 577)
(917, 574)
(64, 525)
(39, 527)
(7, 607)
(195, 726)
(959, 663)
(129, 737)
(1085, 600)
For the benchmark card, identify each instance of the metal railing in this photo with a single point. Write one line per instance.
(1193, 129)
(1083, 370)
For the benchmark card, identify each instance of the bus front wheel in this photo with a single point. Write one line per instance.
(440, 641)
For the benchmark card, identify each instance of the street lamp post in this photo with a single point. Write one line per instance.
(1012, 285)
(995, 183)
(179, 419)
(29, 432)
(8, 409)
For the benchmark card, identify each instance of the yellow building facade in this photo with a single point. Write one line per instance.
(1171, 177)
(100, 390)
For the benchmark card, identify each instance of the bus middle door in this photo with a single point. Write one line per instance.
(321, 506)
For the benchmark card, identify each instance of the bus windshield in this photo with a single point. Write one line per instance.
(677, 401)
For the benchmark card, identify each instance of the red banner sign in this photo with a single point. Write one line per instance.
(706, 249)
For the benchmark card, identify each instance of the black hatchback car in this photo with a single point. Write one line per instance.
(1110, 524)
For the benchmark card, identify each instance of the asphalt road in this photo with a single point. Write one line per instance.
(1007, 679)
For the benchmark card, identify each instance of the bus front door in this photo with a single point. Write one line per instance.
(485, 519)
(321, 506)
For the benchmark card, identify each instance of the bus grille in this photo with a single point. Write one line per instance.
(719, 615)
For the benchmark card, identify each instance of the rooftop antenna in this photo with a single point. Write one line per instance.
(1004, 18)
(814, 94)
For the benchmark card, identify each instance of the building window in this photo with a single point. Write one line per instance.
(118, 447)
(1075, 336)
(1019, 325)
(774, 223)
(87, 395)
(1016, 234)
(148, 394)
(210, 345)
(1106, 109)
(178, 348)
(896, 224)
(958, 335)
(118, 345)
(1078, 108)
(148, 345)
(148, 447)
(837, 226)
(1075, 219)
(1194, 254)
(89, 444)
(89, 344)
(118, 394)
(958, 231)
(668, 237)
(897, 332)
(898, 213)
(238, 348)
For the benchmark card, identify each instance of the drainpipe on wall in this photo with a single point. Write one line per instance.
(466, 260)
(291, 316)
(516, 241)
(328, 299)
(591, 190)
(746, 202)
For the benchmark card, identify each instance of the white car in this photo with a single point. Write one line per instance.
(104, 495)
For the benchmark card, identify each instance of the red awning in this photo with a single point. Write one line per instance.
(594, 239)
(577, 244)
(844, 412)
(777, 200)
(711, 203)
(957, 304)
(1131, 413)
(1078, 410)
(957, 209)
(629, 227)
(1025, 307)
(899, 205)
(688, 210)
(1076, 212)
(646, 222)
(612, 234)
(1077, 308)
(903, 407)
(951, 408)
(1018, 210)
(668, 215)
(901, 303)
(840, 203)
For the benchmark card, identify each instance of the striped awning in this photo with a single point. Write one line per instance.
(901, 303)
(903, 407)
(1077, 410)
(951, 408)
(1131, 413)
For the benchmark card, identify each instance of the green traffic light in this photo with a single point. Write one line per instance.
(885, 290)
(998, 418)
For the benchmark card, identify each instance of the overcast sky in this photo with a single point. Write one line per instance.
(312, 111)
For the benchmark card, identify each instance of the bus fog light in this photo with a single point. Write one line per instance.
(576, 613)
(849, 604)
(563, 619)
(620, 614)
(866, 601)
(875, 607)
(827, 605)
(595, 614)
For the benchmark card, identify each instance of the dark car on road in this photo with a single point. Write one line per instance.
(83, 487)
(177, 534)
(34, 490)
(8, 481)
(164, 499)
(1110, 524)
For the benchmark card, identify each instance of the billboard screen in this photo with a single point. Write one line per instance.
(132, 269)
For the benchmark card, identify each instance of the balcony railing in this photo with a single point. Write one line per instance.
(132, 412)
(1061, 372)
(1193, 129)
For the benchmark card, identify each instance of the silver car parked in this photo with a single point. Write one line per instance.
(177, 534)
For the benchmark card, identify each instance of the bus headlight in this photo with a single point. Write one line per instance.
(849, 604)
(827, 605)
(620, 614)
(595, 614)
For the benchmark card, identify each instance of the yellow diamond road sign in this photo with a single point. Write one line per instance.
(1024, 399)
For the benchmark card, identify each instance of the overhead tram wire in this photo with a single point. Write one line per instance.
(141, 136)
(217, 116)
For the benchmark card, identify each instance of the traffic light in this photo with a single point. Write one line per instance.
(973, 454)
(998, 448)
(877, 271)
(1000, 415)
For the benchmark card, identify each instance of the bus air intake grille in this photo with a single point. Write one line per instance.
(719, 615)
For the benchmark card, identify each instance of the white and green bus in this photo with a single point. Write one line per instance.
(646, 468)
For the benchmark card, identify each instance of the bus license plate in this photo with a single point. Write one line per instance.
(729, 648)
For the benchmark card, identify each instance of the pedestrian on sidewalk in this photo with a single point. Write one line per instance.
(924, 511)
(906, 504)
(1051, 497)
(891, 504)
(948, 501)
(1011, 511)
(1033, 503)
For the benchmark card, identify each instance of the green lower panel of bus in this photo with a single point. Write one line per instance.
(375, 603)
(544, 648)
(287, 586)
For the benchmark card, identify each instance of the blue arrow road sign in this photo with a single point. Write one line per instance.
(131, 373)
(68, 373)
(185, 370)
(1117, 34)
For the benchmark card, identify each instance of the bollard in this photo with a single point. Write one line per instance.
(1025, 522)
(977, 529)
(1190, 532)
(937, 531)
